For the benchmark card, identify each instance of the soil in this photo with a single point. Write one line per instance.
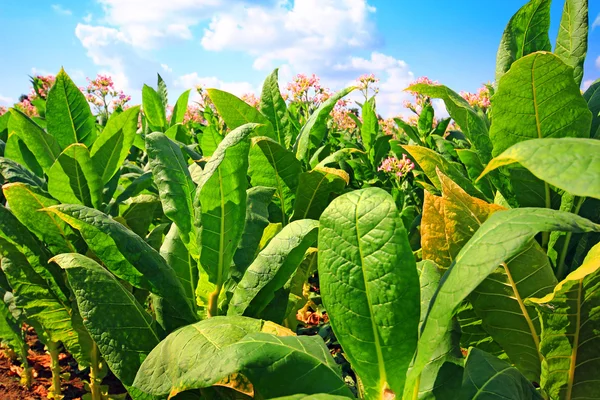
(72, 388)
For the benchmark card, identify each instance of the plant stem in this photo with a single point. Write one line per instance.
(213, 301)
(416, 388)
(95, 381)
(55, 391)
(26, 378)
(561, 268)
(546, 235)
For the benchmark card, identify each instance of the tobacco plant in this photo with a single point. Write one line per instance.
(176, 254)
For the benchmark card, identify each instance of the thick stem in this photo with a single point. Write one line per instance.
(546, 235)
(55, 390)
(95, 381)
(26, 378)
(561, 269)
(213, 301)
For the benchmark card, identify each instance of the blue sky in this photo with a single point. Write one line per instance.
(234, 44)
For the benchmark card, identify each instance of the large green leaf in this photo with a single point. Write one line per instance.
(274, 108)
(487, 377)
(441, 377)
(11, 331)
(126, 255)
(572, 40)
(501, 237)
(370, 287)
(124, 332)
(54, 317)
(568, 163)
(180, 108)
(175, 186)
(271, 165)
(526, 32)
(74, 178)
(472, 125)
(43, 146)
(592, 96)
(257, 219)
(178, 258)
(162, 91)
(153, 107)
(17, 152)
(313, 132)
(114, 143)
(229, 346)
(570, 335)
(139, 212)
(272, 268)
(13, 172)
(68, 113)
(236, 112)
(370, 125)
(314, 190)
(538, 98)
(25, 202)
(221, 204)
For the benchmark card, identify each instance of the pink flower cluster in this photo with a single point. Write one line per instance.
(399, 168)
(480, 99)
(420, 100)
(366, 83)
(342, 120)
(43, 85)
(307, 89)
(101, 93)
(193, 114)
(27, 108)
(388, 126)
(251, 99)
(3, 110)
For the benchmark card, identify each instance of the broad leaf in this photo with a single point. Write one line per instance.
(162, 91)
(592, 96)
(569, 164)
(68, 113)
(313, 132)
(538, 98)
(526, 32)
(17, 152)
(11, 331)
(272, 268)
(487, 376)
(13, 172)
(572, 40)
(570, 335)
(274, 108)
(370, 287)
(74, 178)
(124, 332)
(175, 186)
(114, 143)
(501, 237)
(154, 109)
(180, 108)
(370, 126)
(126, 255)
(314, 190)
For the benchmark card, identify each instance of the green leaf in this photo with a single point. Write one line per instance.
(68, 113)
(409, 130)
(272, 268)
(162, 91)
(592, 96)
(441, 377)
(114, 143)
(54, 317)
(487, 376)
(319, 396)
(236, 112)
(572, 40)
(25, 202)
(274, 108)
(175, 186)
(314, 190)
(180, 108)
(474, 168)
(526, 33)
(178, 133)
(313, 132)
(271, 165)
(13, 172)
(139, 213)
(11, 332)
(472, 125)
(43, 146)
(257, 219)
(126, 255)
(176, 255)
(370, 126)
(210, 140)
(124, 332)
(221, 204)
(425, 123)
(570, 336)
(338, 156)
(538, 98)
(568, 163)
(16, 151)
(74, 179)
(501, 237)
(154, 109)
(370, 287)
(138, 185)
(235, 345)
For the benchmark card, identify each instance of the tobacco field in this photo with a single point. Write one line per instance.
(299, 246)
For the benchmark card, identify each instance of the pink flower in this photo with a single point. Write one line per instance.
(480, 99)
(307, 89)
(26, 108)
(398, 168)
(3, 110)
(251, 99)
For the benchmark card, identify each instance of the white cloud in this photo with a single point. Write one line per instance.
(61, 10)
(6, 100)
(166, 68)
(192, 80)
(598, 62)
(88, 18)
(596, 22)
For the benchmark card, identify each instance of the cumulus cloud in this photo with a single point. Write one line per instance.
(191, 80)
(6, 100)
(166, 68)
(61, 10)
